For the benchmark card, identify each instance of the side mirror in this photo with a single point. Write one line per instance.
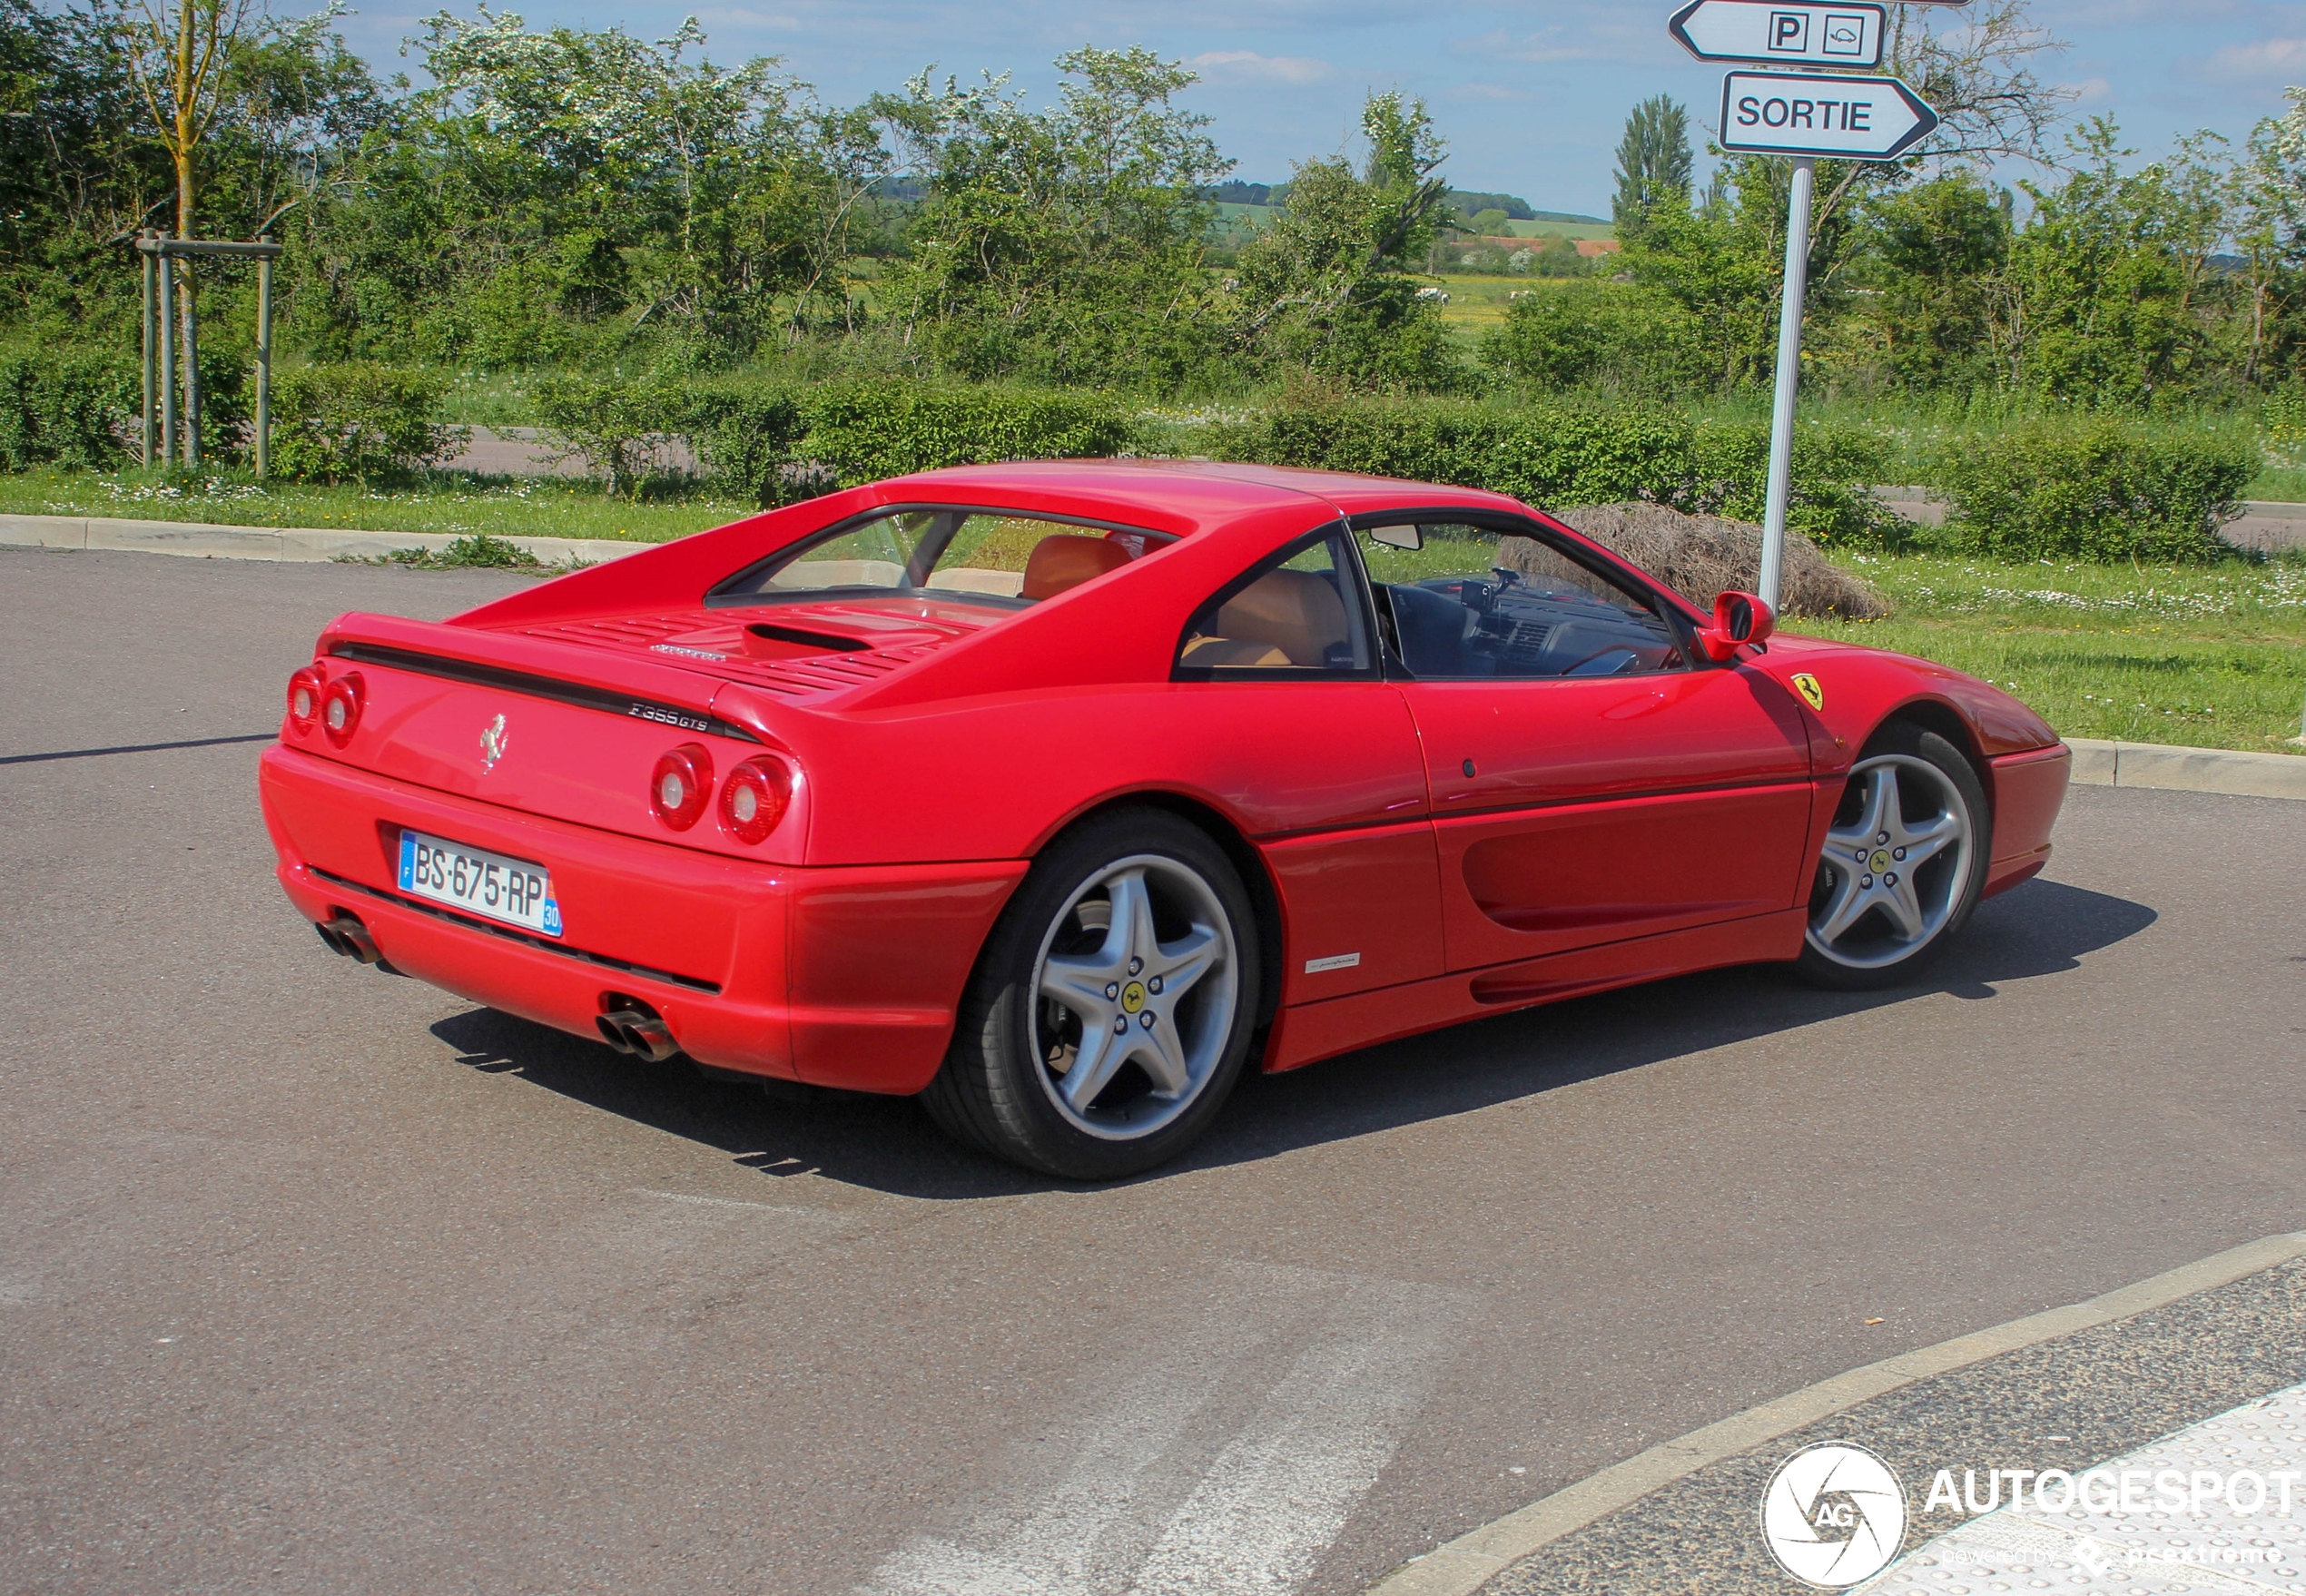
(1738, 619)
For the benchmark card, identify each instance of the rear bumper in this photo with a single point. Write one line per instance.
(844, 977)
(2029, 788)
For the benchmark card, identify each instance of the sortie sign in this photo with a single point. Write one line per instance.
(1764, 30)
(1810, 114)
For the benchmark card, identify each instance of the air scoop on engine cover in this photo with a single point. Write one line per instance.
(774, 642)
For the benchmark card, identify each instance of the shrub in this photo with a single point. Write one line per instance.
(357, 421)
(1548, 456)
(769, 443)
(1579, 333)
(67, 409)
(745, 437)
(872, 429)
(2103, 490)
(623, 428)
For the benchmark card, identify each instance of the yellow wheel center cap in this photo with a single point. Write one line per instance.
(1880, 861)
(1133, 997)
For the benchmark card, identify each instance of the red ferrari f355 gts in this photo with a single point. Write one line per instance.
(1059, 794)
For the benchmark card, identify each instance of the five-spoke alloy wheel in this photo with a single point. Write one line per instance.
(1113, 1005)
(1903, 862)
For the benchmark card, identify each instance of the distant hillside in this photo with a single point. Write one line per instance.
(1464, 202)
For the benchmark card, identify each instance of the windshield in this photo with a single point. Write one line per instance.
(973, 556)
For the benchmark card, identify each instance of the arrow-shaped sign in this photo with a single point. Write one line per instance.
(1809, 114)
(1766, 30)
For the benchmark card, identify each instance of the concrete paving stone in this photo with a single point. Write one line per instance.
(2069, 1403)
(2239, 772)
(2205, 1545)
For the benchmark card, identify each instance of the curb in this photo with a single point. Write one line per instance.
(1462, 1566)
(2100, 763)
(305, 544)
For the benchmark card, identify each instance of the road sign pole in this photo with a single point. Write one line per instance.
(1781, 411)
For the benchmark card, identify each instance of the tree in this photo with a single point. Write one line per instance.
(2098, 284)
(178, 54)
(1067, 243)
(1326, 285)
(1653, 162)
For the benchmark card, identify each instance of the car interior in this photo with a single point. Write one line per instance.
(1469, 603)
(980, 557)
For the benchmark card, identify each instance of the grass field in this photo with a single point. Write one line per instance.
(2208, 657)
(1254, 216)
(1477, 303)
(504, 507)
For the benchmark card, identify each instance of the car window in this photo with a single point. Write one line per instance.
(1299, 612)
(1475, 602)
(976, 556)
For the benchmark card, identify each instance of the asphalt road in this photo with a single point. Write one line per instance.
(312, 1279)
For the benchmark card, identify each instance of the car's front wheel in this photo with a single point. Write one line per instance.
(1112, 1007)
(1903, 862)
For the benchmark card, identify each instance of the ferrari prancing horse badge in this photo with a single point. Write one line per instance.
(1811, 693)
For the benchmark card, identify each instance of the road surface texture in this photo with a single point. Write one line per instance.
(314, 1279)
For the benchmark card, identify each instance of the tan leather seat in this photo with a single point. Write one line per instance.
(1065, 559)
(1215, 653)
(1298, 612)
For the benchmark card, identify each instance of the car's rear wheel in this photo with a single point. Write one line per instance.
(1112, 1007)
(1902, 865)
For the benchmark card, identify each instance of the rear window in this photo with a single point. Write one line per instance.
(979, 556)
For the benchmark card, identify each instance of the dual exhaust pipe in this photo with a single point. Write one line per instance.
(631, 1026)
(346, 935)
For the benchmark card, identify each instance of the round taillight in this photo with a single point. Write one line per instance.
(341, 708)
(304, 691)
(681, 786)
(753, 798)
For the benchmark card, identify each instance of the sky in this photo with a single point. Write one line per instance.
(1532, 97)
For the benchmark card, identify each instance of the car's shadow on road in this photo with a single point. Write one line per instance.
(888, 1144)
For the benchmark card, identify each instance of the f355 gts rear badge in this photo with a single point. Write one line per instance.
(1804, 683)
(493, 744)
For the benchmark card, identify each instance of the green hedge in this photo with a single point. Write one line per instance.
(2103, 490)
(64, 409)
(868, 430)
(769, 443)
(1549, 456)
(357, 422)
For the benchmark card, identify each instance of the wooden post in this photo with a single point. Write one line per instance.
(144, 452)
(264, 360)
(167, 356)
(191, 372)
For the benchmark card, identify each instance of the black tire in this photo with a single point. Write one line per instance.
(1871, 952)
(1001, 1086)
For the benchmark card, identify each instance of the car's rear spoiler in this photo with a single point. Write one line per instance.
(595, 678)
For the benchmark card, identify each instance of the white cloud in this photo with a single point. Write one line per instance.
(2089, 92)
(1246, 66)
(1488, 91)
(2263, 58)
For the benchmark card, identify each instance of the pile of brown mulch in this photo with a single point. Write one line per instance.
(1701, 556)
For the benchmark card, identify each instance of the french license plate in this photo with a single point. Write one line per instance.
(478, 881)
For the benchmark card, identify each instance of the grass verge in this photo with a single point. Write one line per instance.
(526, 507)
(2209, 657)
